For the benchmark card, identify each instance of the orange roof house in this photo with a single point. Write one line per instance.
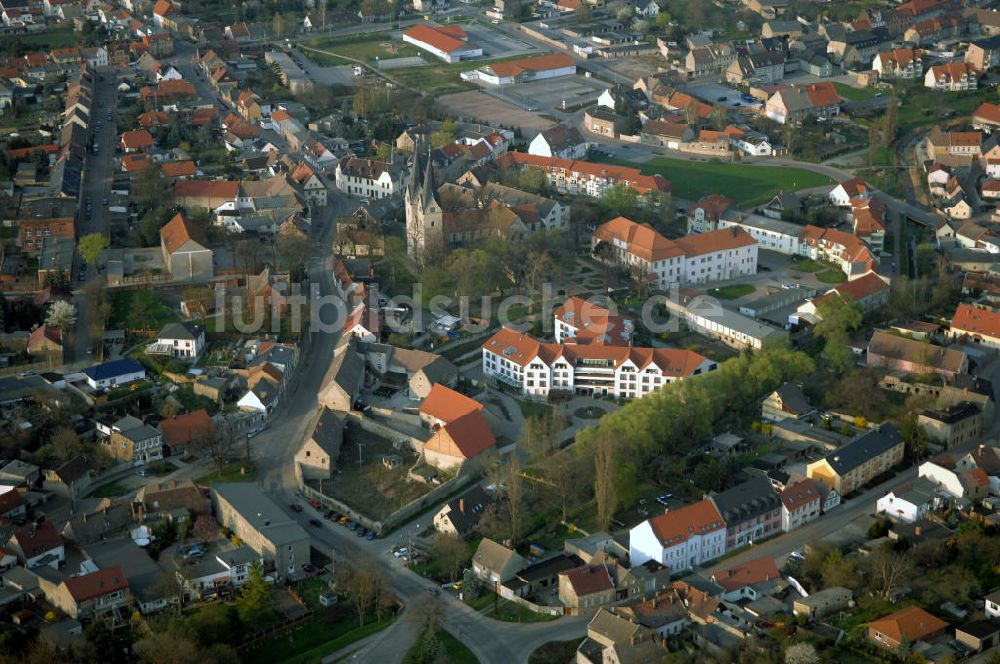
(586, 322)
(979, 325)
(178, 169)
(911, 624)
(45, 339)
(443, 405)
(459, 441)
(585, 177)
(756, 571)
(180, 430)
(139, 139)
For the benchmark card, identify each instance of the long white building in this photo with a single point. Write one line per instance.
(696, 259)
(538, 369)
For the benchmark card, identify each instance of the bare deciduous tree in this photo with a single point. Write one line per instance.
(889, 568)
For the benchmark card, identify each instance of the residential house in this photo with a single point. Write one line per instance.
(953, 425)
(860, 461)
(800, 503)
(417, 370)
(983, 54)
(11, 504)
(343, 380)
(99, 594)
(977, 325)
(613, 638)
(958, 478)
(751, 580)
(186, 254)
(136, 141)
(366, 329)
(312, 187)
(905, 63)
(38, 545)
(70, 480)
(586, 178)
(681, 538)
(703, 216)
(786, 402)
(368, 178)
(179, 340)
(172, 500)
(850, 190)
(34, 234)
(586, 322)
(495, 563)
(263, 526)
(868, 293)
(910, 502)
(318, 454)
(114, 373)
(718, 255)
(897, 353)
(907, 625)
(180, 431)
(133, 440)
(45, 340)
(586, 588)
(986, 117)
(559, 141)
(978, 635)
(460, 516)
(539, 369)
(601, 121)
(793, 104)
(751, 510)
(952, 77)
(823, 603)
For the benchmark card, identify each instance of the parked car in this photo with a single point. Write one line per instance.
(360, 532)
(315, 523)
(399, 553)
(328, 515)
(370, 536)
(315, 503)
(296, 507)
(309, 569)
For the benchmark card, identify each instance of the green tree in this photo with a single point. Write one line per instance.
(65, 443)
(620, 199)
(149, 186)
(840, 316)
(255, 597)
(445, 135)
(451, 553)
(90, 246)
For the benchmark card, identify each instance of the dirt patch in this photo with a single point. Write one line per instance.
(475, 105)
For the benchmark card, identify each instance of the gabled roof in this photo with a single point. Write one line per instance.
(800, 494)
(183, 331)
(746, 501)
(176, 169)
(97, 584)
(920, 353)
(225, 189)
(589, 579)
(179, 231)
(864, 448)
(35, 540)
(911, 623)
(447, 405)
(793, 399)
(987, 112)
(560, 137)
(976, 321)
(182, 429)
(464, 437)
(676, 526)
(136, 139)
(444, 38)
(747, 574)
(594, 323)
(492, 556)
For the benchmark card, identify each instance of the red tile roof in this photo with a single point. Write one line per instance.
(97, 584)
(642, 239)
(465, 437)
(44, 332)
(975, 321)
(206, 189)
(747, 574)
(913, 623)
(800, 494)
(137, 139)
(10, 500)
(593, 323)
(176, 169)
(179, 230)
(676, 526)
(36, 540)
(719, 240)
(445, 404)
(988, 112)
(589, 580)
(135, 162)
(953, 71)
(634, 178)
(182, 429)
(540, 63)
(443, 38)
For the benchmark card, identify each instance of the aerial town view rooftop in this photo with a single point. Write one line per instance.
(499, 332)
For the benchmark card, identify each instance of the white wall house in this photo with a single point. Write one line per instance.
(680, 539)
(367, 178)
(111, 374)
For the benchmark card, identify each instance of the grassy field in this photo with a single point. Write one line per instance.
(152, 312)
(232, 473)
(921, 107)
(46, 40)
(852, 93)
(112, 490)
(746, 185)
(732, 291)
(455, 651)
(827, 274)
(555, 651)
(369, 48)
(326, 632)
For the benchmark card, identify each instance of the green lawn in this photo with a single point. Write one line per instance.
(319, 636)
(112, 490)
(455, 651)
(808, 265)
(852, 93)
(831, 276)
(441, 78)
(921, 107)
(232, 473)
(367, 48)
(532, 408)
(139, 309)
(746, 185)
(46, 40)
(507, 611)
(732, 291)
(554, 651)
(161, 468)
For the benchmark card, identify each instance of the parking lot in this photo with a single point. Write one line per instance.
(498, 45)
(715, 93)
(481, 107)
(565, 91)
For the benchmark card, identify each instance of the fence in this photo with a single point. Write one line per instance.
(270, 632)
(531, 606)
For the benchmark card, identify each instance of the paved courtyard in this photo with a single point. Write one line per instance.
(479, 106)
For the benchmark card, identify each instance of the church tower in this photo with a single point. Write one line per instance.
(424, 216)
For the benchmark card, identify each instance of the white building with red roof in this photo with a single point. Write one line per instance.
(718, 255)
(534, 68)
(585, 322)
(536, 368)
(448, 42)
(681, 538)
(800, 503)
(869, 292)
(584, 177)
(976, 324)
